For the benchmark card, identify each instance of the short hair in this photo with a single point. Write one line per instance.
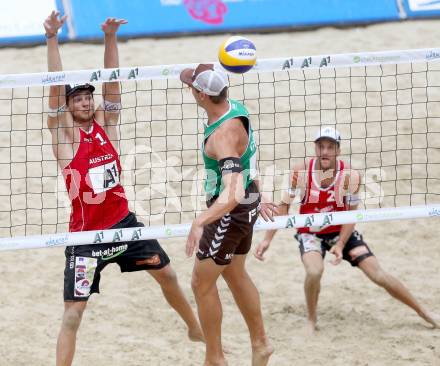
(217, 99)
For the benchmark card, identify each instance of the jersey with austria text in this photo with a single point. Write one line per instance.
(322, 200)
(93, 183)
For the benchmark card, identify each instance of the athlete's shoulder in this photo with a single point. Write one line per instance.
(238, 108)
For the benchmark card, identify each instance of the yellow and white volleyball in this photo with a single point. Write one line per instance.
(237, 54)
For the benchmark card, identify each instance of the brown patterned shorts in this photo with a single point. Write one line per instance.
(232, 234)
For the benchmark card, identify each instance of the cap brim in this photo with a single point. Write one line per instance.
(78, 88)
(186, 76)
(327, 138)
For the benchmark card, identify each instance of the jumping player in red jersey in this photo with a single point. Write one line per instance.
(82, 143)
(327, 184)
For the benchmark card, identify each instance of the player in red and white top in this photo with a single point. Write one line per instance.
(327, 184)
(82, 137)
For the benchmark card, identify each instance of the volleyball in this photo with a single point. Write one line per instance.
(237, 54)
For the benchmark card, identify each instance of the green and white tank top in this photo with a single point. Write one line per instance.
(213, 181)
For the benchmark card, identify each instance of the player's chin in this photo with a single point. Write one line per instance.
(325, 163)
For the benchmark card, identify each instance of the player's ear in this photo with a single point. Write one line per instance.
(203, 96)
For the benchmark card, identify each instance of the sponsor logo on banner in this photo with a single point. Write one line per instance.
(291, 222)
(434, 212)
(371, 216)
(423, 5)
(23, 18)
(52, 79)
(56, 241)
(95, 76)
(307, 62)
(375, 59)
(431, 55)
(7, 80)
(110, 253)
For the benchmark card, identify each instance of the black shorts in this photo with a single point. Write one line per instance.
(232, 234)
(323, 242)
(84, 263)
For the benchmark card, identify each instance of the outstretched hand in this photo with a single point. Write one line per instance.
(53, 23)
(268, 209)
(261, 249)
(193, 240)
(111, 25)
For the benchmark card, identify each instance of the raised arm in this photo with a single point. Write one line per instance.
(111, 91)
(57, 99)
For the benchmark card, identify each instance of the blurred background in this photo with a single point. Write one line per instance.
(176, 17)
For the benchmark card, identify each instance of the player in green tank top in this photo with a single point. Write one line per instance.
(213, 182)
(222, 235)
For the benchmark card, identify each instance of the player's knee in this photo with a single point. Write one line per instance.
(72, 319)
(235, 276)
(167, 277)
(195, 284)
(314, 273)
(379, 277)
(200, 288)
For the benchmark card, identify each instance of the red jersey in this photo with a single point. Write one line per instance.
(93, 183)
(317, 199)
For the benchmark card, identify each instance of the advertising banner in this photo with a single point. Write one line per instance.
(168, 17)
(21, 21)
(422, 8)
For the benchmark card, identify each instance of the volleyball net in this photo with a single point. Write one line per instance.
(386, 105)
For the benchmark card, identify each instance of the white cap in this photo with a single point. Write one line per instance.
(205, 79)
(328, 132)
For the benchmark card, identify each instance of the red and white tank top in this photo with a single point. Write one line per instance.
(321, 200)
(93, 183)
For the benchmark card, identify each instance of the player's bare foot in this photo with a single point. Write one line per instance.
(216, 363)
(311, 327)
(261, 354)
(430, 319)
(196, 335)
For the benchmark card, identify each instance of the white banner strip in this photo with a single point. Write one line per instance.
(182, 230)
(263, 65)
